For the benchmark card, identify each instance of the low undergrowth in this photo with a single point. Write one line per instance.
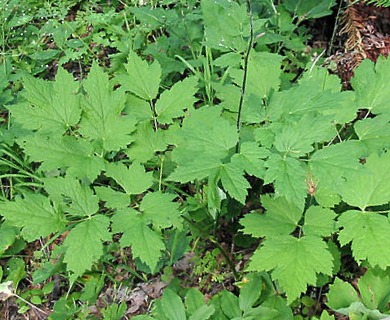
(193, 147)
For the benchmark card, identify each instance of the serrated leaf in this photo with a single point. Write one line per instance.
(330, 164)
(52, 107)
(75, 198)
(112, 198)
(292, 142)
(319, 221)
(84, 244)
(147, 143)
(370, 84)
(310, 9)
(233, 182)
(370, 185)
(34, 214)
(374, 133)
(133, 179)
(173, 102)
(281, 217)
(226, 25)
(142, 79)
(294, 262)
(290, 178)
(145, 243)
(157, 208)
(8, 235)
(369, 234)
(102, 120)
(250, 159)
(66, 152)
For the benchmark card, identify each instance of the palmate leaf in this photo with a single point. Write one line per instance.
(369, 234)
(204, 140)
(370, 185)
(65, 152)
(289, 177)
(250, 159)
(233, 181)
(370, 83)
(145, 243)
(281, 217)
(102, 120)
(133, 179)
(174, 101)
(51, 107)
(113, 199)
(142, 79)
(84, 244)
(294, 262)
(374, 134)
(75, 198)
(147, 143)
(34, 214)
(319, 221)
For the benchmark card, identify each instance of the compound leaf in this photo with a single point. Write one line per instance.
(146, 244)
(142, 79)
(34, 214)
(52, 107)
(294, 262)
(369, 234)
(102, 120)
(319, 221)
(281, 217)
(84, 244)
(65, 152)
(173, 102)
(73, 196)
(233, 181)
(133, 179)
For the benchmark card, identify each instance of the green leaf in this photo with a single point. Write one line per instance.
(319, 221)
(374, 134)
(250, 292)
(84, 244)
(374, 288)
(370, 84)
(325, 316)
(102, 120)
(368, 231)
(226, 25)
(370, 185)
(147, 143)
(52, 107)
(112, 198)
(8, 235)
(34, 214)
(204, 140)
(173, 306)
(173, 102)
(341, 295)
(250, 159)
(281, 217)
(294, 262)
(157, 208)
(290, 140)
(141, 78)
(310, 9)
(145, 243)
(230, 304)
(134, 179)
(75, 198)
(65, 152)
(233, 182)
(290, 178)
(203, 313)
(264, 71)
(329, 165)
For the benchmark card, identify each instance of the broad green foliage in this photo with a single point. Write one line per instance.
(205, 112)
